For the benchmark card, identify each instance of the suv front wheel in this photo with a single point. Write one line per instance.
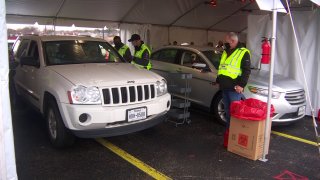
(59, 135)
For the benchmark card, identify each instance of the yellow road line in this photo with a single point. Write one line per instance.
(134, 161)
(295, 138)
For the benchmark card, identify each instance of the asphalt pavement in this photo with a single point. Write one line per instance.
(189, 151)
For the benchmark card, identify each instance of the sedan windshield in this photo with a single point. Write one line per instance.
(79, 52)
(213, 57)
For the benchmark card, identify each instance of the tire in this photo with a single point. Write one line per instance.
(59, 135)
(218, 109)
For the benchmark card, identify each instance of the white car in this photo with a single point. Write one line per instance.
(83, 87)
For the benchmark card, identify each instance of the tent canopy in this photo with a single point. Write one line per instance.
(228, 15)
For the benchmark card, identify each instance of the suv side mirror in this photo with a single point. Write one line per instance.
(200, 66)
(29, 61)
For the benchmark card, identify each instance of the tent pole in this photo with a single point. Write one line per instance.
(7, 155)
(271, 69)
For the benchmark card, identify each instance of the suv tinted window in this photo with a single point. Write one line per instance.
(21, 49)
(79, 52)
(33, 51)
(166, 55)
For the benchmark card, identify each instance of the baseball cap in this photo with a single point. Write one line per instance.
(134, 37)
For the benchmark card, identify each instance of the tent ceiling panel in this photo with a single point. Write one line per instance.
(229, 23)
(112, 10)
(205, 15)
(159, 12)
(33, 7)
(228, 15)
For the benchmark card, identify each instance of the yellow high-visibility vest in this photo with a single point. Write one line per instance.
(138, 54)
(231, 66)
(123, 50)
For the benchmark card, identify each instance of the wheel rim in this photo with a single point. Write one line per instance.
(52, 123)
(221, 111)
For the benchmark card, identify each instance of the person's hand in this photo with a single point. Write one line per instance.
(238, 89)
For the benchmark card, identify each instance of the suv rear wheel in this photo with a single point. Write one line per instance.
(59, 135)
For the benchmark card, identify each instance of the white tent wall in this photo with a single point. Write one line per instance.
(286, 58)
(159, 36)
(216, 36)
(7, 156)
(126, 30)
(188, 35)
(85, 23)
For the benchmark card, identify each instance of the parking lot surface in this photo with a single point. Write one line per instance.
(192, 151)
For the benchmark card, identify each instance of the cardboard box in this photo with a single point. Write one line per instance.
(246, 138)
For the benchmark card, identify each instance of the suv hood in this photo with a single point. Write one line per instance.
(103, 74)
(280, 83)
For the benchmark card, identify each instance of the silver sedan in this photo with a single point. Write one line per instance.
(288, 95)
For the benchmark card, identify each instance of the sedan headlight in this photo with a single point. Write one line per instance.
(161, 87)
(264, 92)
(84, 95)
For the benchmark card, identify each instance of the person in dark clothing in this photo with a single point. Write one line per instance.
(123, 49)
(142, 52)
(233, 74)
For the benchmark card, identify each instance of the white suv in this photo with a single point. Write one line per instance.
(83, 87)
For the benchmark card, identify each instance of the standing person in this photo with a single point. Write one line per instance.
(141, 54)
(233, 74)
(122, 49)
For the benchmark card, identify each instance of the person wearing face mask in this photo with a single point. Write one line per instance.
(141, 54)
(233, 74)
(122, 49)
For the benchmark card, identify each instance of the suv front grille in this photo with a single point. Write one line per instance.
(296, 97)
(128, 94)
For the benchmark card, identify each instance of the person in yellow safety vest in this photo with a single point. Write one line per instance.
(233, 74)
(122, 49)
(142, 53)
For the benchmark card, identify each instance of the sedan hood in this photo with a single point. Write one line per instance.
(280, 83)
(112, 74)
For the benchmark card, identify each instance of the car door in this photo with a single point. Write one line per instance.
(19, 50)
(32, 77)
(165, 62)
(203, 81)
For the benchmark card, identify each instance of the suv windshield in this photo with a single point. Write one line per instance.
(213, 57)
(79, 52)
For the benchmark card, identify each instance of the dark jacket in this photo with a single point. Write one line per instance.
(227, 83)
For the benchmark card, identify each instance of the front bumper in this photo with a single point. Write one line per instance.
(285, 113)
(106, 121)
(121, 128)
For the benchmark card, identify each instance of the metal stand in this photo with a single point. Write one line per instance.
(179, 112)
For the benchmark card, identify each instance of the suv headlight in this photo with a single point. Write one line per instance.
(84, 95)
(264, 92)
(161, 87)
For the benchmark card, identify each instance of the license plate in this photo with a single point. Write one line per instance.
(301, 110)
(136, 114)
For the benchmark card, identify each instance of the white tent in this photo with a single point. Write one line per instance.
(174, 20)
(159, 22)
